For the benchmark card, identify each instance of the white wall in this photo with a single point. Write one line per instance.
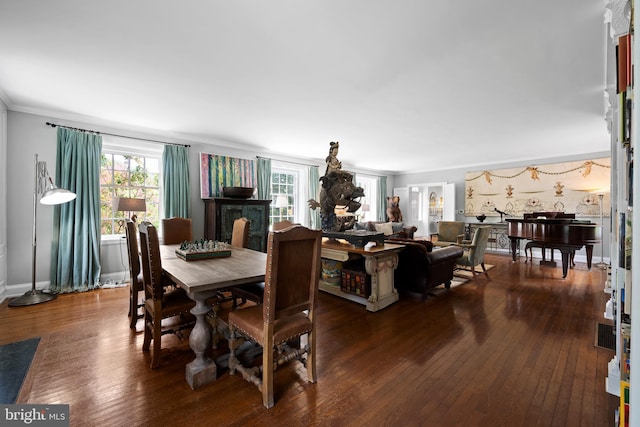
(457, 176)
(28, 134)
(3, 202)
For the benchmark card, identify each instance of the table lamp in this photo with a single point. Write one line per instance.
(281, 203)
(128, 204)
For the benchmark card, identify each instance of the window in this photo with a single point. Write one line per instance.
(289, 192)
(369, 203)
(129, 173)
(283, 195)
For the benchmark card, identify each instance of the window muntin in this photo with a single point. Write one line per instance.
(284, 186)
(128, 175)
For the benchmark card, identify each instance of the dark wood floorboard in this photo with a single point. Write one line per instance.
(515, 348)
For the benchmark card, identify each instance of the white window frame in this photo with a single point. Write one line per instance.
(300, 190)
(369, 184)
(134, 147)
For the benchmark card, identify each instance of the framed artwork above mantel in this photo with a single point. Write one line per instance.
(571, 187)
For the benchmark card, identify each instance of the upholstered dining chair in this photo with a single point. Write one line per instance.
(240, 239)
(474, 252)
(176, 230)
(287, 313)
(160, 302)
(135, 274)
(240, 232)
(281, 225)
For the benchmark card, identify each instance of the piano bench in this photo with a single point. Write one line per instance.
(541, 245)
(529, 247)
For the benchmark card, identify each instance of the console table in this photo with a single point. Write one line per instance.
(498, 235)
(380, 263)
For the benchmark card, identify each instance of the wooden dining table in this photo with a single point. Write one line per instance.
(202, 279)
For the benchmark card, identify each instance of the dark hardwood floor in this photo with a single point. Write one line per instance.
(514, 349)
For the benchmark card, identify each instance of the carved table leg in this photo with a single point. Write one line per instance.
(201, 370)
(383, 291)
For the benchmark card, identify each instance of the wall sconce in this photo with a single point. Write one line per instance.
(128, 204)
(51, 195)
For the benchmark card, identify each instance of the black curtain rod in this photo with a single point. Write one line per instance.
(53, 125)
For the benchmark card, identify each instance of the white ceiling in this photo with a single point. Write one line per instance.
(404, 85)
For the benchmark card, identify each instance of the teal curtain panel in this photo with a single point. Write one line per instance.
(314, 193)
(75, 251)
(382, 198)
(175, 182)
(264, 178)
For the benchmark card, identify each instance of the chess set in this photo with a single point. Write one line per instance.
(203, 249)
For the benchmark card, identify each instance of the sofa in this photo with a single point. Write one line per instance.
(421, 267)
(390, 229)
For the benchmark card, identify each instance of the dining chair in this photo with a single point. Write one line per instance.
(253, 291)
(240, 232)
(136, 280)
(288, 312)
(176, 230)
(160, 302)
(281, 225)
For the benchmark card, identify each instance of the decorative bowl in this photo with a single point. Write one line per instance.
(481, 217)
(237, 192)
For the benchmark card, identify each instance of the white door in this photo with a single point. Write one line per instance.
(449, 208)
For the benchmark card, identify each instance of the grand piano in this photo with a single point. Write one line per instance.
(555, 230)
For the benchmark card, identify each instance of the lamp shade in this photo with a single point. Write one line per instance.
(129, 204)
(282, 201)
(56, 196)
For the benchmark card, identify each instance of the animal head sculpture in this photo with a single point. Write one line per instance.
(338, 189)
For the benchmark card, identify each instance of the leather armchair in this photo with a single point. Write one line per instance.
(420, 267)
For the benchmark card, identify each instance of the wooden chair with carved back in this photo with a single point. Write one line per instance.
(160, 302)
(288, 310)
(240, 239)
(176, 230)
(281, 225)
(136, 281)
(240, 233)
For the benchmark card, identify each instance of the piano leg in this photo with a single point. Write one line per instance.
(565, 262)
(589, 250)
(514, 247)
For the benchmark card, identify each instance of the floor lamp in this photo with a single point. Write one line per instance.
(51, 195)
(602, 265)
